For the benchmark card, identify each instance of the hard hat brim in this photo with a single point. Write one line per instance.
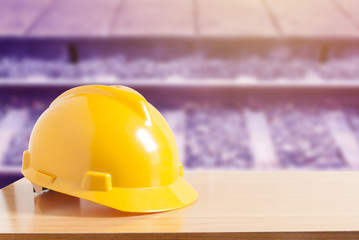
(142, 200)
(155, 199)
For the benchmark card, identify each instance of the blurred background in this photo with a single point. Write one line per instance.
(244, 84)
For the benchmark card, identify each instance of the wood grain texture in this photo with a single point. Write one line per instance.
(351, 9)
(16, 16)
(77, 18)
(319, 205)
(153, 18)
(234, 18)
(312, 19)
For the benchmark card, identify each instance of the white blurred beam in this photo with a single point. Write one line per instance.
(261, 144)
(13, 121)
(343, 137)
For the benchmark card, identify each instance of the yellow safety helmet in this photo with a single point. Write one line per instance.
(107, 144)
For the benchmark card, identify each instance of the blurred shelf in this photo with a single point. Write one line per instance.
(10, 170)
(205, 114)
(245, 20)
(181, 82)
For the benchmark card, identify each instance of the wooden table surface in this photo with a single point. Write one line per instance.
(251, 205)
